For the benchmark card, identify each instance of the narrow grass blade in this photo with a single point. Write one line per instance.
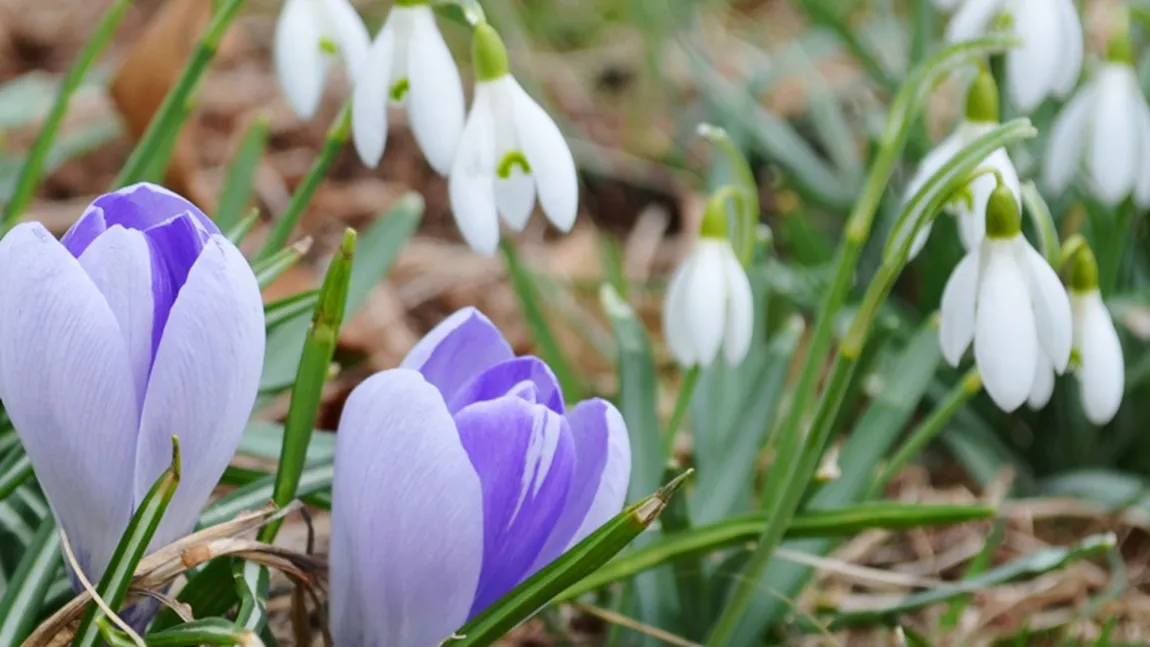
(252, 585)
(113, 587)
(337, 137)
(24, 593)
(14, 471)
(287, 309)
(269, 269)
(736, 531)
(240, 231)
(549, 348)
(584, 558)
(33, 167)
(173, 110)
(265, 439)
(239, 179)
(205, 631)
(313, 371)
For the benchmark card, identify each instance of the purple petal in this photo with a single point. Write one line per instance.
(67, 385)
(204, 382)
(138, 206)
(602, 472)
(511, 377)
(407, 517)
(524, 456)
(458, 349)
(176, 243)
(120, 265)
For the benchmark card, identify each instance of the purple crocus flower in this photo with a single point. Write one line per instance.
(457, 476)
(142, 323)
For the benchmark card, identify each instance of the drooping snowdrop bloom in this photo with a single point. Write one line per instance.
(981, 117)
(1049, 61)
(309, 34)
(709, 305)
(409, 64)
(142, 323)
(1105, 129)
(1006, 298)
(510, 152)
(1100, 370)
(457, 476)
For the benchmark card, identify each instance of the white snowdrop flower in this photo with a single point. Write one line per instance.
(981, 117)
(1105, 129)
(709, 305)
(409, 65)
(1049, 61)
(1006, 298)
(308, 34)
(1100, 370)
(510, 152)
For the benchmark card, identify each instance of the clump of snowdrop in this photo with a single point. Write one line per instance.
(309, 34)
(980, 117)
(709, 305)
(1007, 299)
(510, 153)
(1049, 61)
(409, 65)
(1104, 129)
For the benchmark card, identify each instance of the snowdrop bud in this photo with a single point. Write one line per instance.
(982, 98)
(489, 54)
(1101, 371)
(709, 302)
(1002, 217)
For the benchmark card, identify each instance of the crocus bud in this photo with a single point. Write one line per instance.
(709, 304)
(510, 152)
(457, 476)
(142, 323)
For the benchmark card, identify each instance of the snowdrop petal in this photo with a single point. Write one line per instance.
(1070, 48)
(550, 158)
(1113, 151)
(956, 325)
(369, 99)
(1051, 307)
(972, 19)
(1068, 137)
(1031, 69)
(931, 164)
(675, 308)
(203, 383)
(740, 315)
(1043, 386)
(458, 350)
(1005, 345)
(972, 221)
(349, 33)
(435, 105)
(706, 299)
(300, 64)
(401, 466)
(471, 185)
(1142, 182)
(1102, 374)
(66, 382)
(515, 198)
(524, 456)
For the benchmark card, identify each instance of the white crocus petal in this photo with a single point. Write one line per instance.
(550, 159)
(1070, 48)
(675, 307)
(930, 165)
(435, 102)
(1068, 137)
(706, 299)
(345, 28)
(972, 19)
(959, 301)
(1142, 182)
(740, 310)
(515, 198)
(1031, 69)
(1005, 344)
(300, 64)
(1043, 386)
(1102, 373)
(1051, 306)
(1113, 154)
(471, 185)
(369, 99)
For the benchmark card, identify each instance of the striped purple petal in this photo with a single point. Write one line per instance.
(527, 377)
(457, 350)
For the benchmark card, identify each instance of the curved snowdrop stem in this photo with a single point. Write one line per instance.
(472, 11)
(748, 207)
(1039, 213)
(1070, 249)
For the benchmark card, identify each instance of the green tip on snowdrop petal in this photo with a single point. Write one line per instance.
(488, 53)
(1002, 217)
(1084, 271)
(982, 98)
(715, 217)
(1120, 49)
